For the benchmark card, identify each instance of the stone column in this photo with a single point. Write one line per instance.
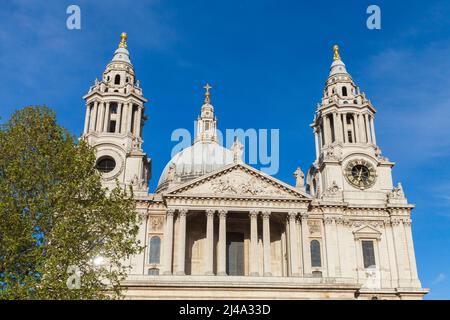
(306, 244)
(337, 127)
(293, 244)
(94, 117)
(330, 246)
(339, 255)
(326, 130)
(321, 144)
(367, 128)
(129, 117)
(298, 226)
(100, 117)
(372, 127)
(222, 258)
(345, 128)
(86, 119)
(266, 243)
(401, 252)
(106, 121)
(412, 257)
(181, 242)
(209, 245)
(123, 120)
(138, 121)
(254, 243)
(168, 242)
(316, 137)
(391, 251)
(362, 128)
(119, 117)
(356, 127)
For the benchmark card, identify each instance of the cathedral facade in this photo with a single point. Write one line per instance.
(217, 228)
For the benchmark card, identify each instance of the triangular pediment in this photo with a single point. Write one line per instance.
(367, 232)
(238, 180)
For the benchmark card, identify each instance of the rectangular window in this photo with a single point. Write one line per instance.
(350, 137)
(114, 108)
(368, 254)
(112, 127)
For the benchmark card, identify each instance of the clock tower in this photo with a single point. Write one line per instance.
(349, 166)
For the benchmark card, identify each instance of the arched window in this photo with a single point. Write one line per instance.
(316, 260)
(117, 79)
(344, 91)
(155, 250)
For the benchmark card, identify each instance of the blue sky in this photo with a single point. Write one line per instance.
(267, 62)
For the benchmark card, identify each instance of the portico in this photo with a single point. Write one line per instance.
(233, 242)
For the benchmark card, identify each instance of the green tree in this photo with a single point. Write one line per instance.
(56, 220)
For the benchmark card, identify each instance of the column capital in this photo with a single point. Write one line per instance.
(292, 215)
(329, 220)
(253, 214)
(170, 212)
(210, 213)
(144, 215)
(223, 213)
(266, 214)
(183, 212)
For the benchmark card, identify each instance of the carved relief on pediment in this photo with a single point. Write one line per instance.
(238, 183)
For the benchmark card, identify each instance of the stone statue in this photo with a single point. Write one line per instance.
(333, 189)
(397, 193)
(299, 178)
(172, 172)
(238, 151)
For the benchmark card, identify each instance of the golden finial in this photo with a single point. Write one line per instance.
(336, 53)
(207, 93)
(123, 41)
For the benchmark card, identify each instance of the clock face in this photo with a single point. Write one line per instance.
(360, 173)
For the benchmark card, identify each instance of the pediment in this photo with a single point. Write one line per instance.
(238, 180)
(367, 232)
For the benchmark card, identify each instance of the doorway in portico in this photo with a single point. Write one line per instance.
(235, 254)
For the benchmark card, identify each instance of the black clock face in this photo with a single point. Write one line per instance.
(360, 174)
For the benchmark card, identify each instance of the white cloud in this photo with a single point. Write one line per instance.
(441, 277)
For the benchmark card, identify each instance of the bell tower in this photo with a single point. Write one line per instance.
(349, 166)
(114, 122)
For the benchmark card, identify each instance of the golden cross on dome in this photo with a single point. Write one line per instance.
(123, 40)
(336, 53)
(207, 93)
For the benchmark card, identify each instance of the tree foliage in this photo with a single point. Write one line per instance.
(55, 217)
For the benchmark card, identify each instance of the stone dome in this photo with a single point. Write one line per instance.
(338, 67)
(121, 55)
(199, 159)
